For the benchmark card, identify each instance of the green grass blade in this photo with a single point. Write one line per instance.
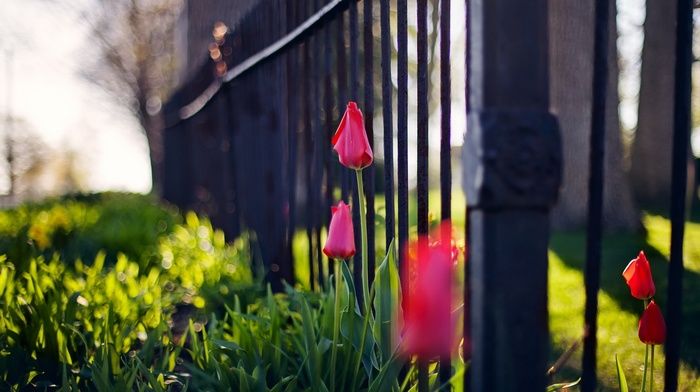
(621, 379)
(313, 356)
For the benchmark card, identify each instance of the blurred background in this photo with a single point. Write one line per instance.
(82, 84)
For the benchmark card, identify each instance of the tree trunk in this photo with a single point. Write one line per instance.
(153, 128)
(571, 78)
(650, 170)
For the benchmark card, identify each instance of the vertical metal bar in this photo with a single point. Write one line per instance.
(354, 33)
(319, 150)
(308, 141)
(594, 234)
(681, 125)
(329, 99)
(402, 133)
(467, 345)
(368, 173)
(387, 114)
(445, 113)
(422, 126)
(355, 97)
(342, 95)
(292, 126)
(445, 156)
(422, 152)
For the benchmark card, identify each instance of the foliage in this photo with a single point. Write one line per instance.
(183, 314)
(78, 227)
(106, 324)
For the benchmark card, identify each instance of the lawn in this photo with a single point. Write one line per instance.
(619, 312)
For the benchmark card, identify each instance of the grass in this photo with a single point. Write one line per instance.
(618, 312)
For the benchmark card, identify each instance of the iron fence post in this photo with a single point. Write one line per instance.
(513, 171)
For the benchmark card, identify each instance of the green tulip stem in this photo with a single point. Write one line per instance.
(646, 357)
(336, 322)
(646, 363)
(363, 233)
(651, 376)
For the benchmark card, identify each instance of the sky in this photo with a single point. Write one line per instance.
(44, 47)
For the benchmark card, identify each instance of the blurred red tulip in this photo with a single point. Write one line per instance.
(428, 297)
(652, 328)
(340, 244)
(351, 141)
(638, 277)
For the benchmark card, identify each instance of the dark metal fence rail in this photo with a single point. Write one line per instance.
(247, 142)
(595, 195)
(681, 125)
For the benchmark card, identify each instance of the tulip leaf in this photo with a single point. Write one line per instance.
(313, 356)
(352, 324)
(556, 387)
(622, 380)
(388, 374)
(224, 344)
(387, 304)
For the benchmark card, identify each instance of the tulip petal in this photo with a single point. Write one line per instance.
(350, 140)
(638, 277)
(340, 244)
(652, 328)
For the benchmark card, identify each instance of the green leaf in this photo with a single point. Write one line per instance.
(352, 325)
(556, 387)
(280, 386)
(259, 384)
(388, 374)
(313, 356)
(387, 304)
(226, 344)
(622, 380)
(154, 383)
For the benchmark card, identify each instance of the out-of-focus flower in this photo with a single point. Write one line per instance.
(428, 297)
(456, 246)
(39, 235)
(350, 140)
(340, 244)
(638, 277)
(652, 328)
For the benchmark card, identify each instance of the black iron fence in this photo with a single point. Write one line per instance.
(247, 142)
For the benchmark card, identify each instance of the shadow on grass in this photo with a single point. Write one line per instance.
(618, 250)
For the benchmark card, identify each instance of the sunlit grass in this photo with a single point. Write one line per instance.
(618, 312)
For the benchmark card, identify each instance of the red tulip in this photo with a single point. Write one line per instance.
(340, 244)
(351, 141)
(638, 277)
(652, 328)
(428, 297)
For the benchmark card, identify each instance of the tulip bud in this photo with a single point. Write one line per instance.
(350, 140)
(340, 244)
(427, 312)
(638, 277)
(652, 328)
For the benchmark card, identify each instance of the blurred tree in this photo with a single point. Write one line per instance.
(35, 169)
(652, 149)
(134, 58)
(571, 79)
(24, 153)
